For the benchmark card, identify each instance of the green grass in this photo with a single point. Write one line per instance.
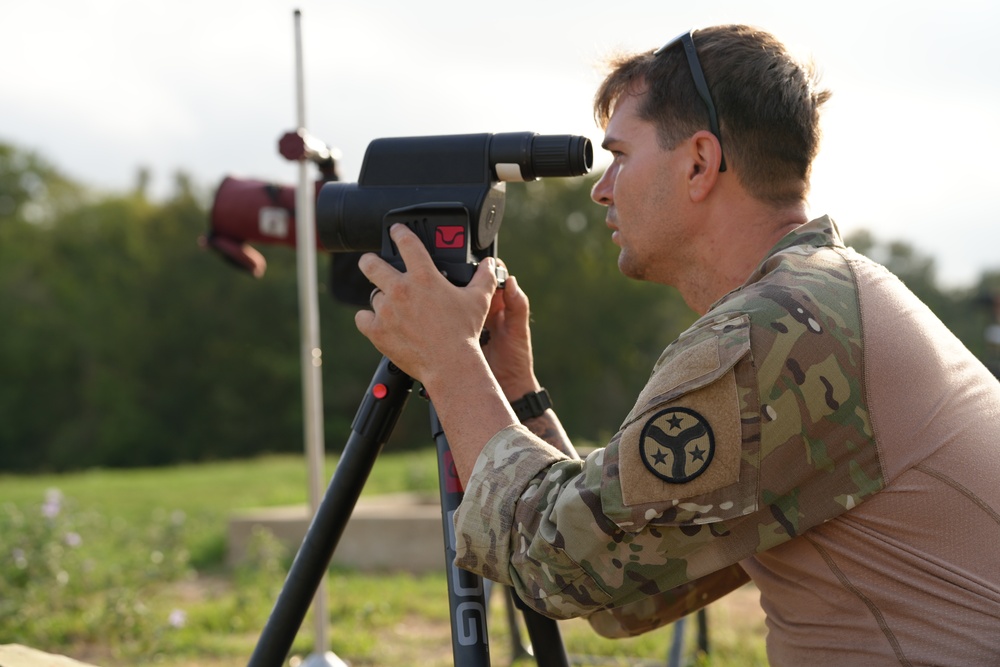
(127, 567)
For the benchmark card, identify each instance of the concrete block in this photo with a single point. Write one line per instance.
(15, 655)
(398, 532)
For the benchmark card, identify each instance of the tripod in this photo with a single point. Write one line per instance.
(380, 409)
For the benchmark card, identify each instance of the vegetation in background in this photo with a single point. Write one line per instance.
(127, 567)
(126, 344)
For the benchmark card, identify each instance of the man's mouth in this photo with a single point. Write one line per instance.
(611, 224)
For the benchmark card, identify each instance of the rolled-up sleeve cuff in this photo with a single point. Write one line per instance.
(483, 522)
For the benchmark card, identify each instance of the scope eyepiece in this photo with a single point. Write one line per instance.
(525, 156)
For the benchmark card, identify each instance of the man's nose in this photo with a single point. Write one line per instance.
(603, 188)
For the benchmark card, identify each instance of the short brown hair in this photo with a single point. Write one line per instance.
(767, 101)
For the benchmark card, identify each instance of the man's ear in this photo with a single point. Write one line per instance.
(706, 157)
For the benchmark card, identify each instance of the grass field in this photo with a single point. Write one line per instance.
(128, 568)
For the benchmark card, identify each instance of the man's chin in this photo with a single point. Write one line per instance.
(628, 268)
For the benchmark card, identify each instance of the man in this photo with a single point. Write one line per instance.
(817, 430)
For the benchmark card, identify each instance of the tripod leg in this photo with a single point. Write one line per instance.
(466, 594)
(546, 640)
(376, 417)
(676, 653)
(703, 630)
(518, 649)
(465, 590)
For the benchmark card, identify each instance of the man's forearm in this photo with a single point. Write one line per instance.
(472, 409)
(548, 427)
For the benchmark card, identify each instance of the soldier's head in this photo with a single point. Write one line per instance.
(765, 102)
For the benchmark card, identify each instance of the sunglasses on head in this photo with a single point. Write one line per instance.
(687, 41)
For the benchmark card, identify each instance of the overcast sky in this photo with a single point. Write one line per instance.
(102, 88)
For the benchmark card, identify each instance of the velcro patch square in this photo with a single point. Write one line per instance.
(685, 455)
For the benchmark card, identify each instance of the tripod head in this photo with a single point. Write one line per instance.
(448, 189)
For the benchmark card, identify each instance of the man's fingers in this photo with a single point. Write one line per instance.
(363, 321)
(485, 277)
(515, 299)
(411, 249)
(375, 268)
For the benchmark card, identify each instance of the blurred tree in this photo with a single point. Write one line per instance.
(986, 295)
(126, 344)
(960, 309)
(32, 194)
(31, 189)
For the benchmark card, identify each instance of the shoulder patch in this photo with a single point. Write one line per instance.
(677, 445)
(689, 450)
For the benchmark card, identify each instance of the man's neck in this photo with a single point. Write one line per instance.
(736, 241)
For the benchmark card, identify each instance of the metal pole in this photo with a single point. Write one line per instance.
(311, 352)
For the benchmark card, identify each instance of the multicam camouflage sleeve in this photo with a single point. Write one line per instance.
(659, 610)
(484, 519)
(751, 429)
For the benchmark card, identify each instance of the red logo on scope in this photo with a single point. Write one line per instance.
(449, 236)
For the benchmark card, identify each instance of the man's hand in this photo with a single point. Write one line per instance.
(420, 321)
(430, 329)
(509, 349)
(509, 355)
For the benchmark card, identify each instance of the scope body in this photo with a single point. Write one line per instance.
(458, 171)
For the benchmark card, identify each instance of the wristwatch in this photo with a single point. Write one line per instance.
(532, 405)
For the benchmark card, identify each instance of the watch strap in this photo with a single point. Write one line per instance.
(531, 405)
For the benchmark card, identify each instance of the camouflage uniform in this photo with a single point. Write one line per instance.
(818, 430)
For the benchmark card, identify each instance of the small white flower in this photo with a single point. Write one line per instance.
(53, 503)
(177, 618)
